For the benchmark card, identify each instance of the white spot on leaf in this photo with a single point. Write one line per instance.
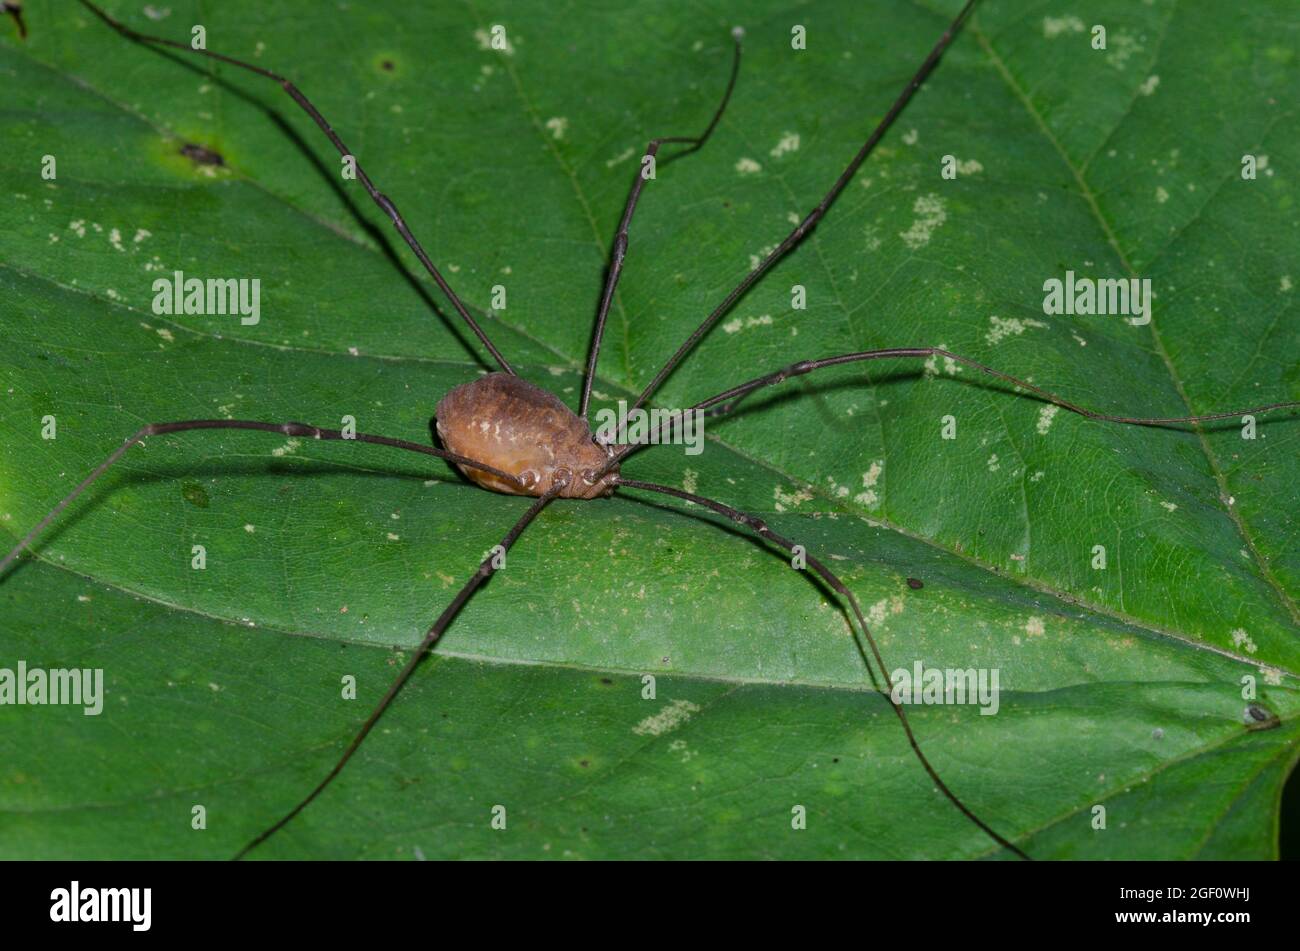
(789, 143)
(1045, 417)
(930, 214)
(1241, 639)
(1055, 26)
(672, 716)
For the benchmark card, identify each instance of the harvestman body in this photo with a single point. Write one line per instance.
(527, 432)
(510, 436)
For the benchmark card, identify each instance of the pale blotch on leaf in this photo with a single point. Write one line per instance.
(672, 716)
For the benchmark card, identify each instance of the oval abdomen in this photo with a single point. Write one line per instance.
(521, 429)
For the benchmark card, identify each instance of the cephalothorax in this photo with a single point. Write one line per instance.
(522, 429)
(509, 435)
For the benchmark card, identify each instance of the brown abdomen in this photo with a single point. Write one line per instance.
(521, 429)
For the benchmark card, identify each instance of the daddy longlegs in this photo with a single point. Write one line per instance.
(510, 436)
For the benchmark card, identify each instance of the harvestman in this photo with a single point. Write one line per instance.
(536, 446)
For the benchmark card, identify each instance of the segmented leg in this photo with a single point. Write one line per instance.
(728, 400)
(286, 429)
(811, 219)
(485, 571)
(761, 527)
(619, 252)
(383, 201)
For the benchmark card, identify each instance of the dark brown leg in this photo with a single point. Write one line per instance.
(728, 400)
(383, 201)
(761, 527)
(485, 570)
(286, 429)
(619, 251)
(807, 224)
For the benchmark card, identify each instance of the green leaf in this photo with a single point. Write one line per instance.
(1121, 687)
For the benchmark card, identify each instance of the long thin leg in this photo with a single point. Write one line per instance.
(761, 527)
(286, 429)
(383, 201)
(797, 235)
(15, 10)
(730, 398)
(619, 251)
(727, 400)
(485, 570)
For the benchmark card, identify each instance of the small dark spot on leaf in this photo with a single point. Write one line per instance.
(584, 763)
(606, 680)
(835, 759)
(916, 584)
(194, 493)
(1258, 718)
(201, 154)
(386, 65)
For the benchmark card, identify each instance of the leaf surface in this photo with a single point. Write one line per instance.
(1120, 687)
